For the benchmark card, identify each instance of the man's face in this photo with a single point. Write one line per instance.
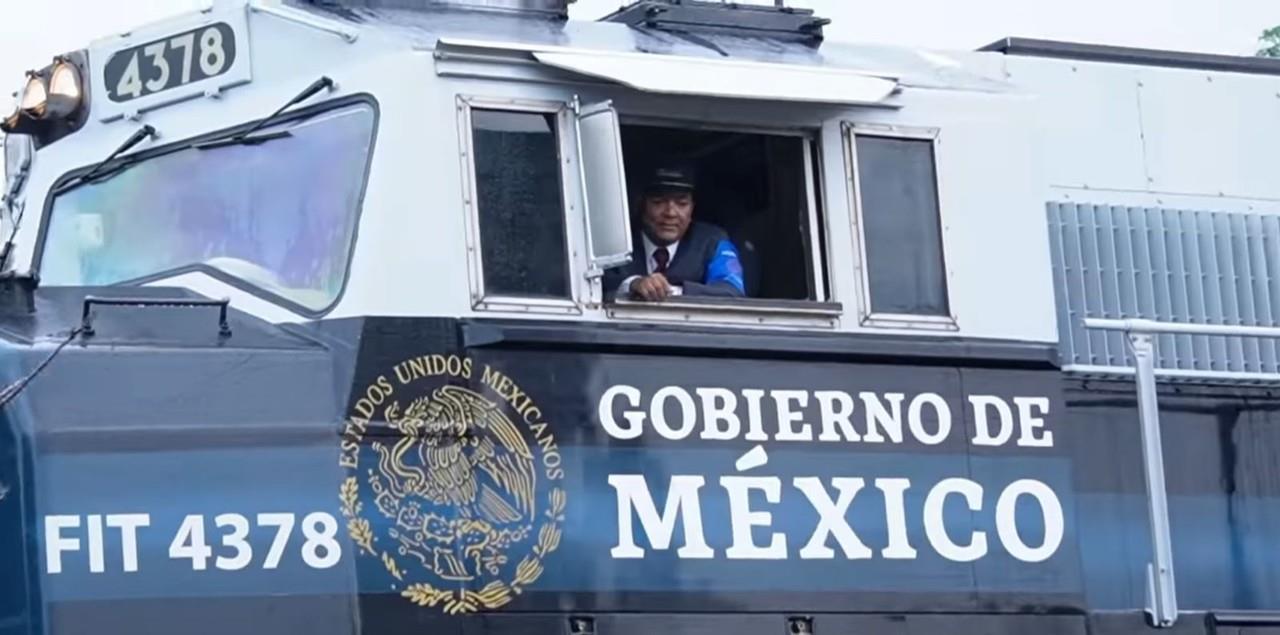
(667, 216)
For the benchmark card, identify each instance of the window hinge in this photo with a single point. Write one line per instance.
(595, 287)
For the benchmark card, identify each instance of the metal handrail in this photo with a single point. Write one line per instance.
(1151, 327)
(1178, 374)
(86, 314)
(1162, 599)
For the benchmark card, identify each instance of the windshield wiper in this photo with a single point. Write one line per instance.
(248, 138)
(100, 170)
(239, 140)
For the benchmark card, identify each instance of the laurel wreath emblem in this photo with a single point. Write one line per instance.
(494, 595)
(487, 555)
(498, 593)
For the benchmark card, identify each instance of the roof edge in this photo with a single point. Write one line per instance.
(1030, 47)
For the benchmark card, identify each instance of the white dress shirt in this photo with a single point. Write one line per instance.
(650, 248)
(624, 289)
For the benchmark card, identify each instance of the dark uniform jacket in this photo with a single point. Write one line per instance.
(705, 264)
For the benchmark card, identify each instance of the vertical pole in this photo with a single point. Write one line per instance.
(1162, 602)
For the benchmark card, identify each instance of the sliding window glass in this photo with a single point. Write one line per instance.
(519, 204)
(897, 192)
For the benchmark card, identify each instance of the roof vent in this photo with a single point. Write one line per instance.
(549, 8)
(777, 22)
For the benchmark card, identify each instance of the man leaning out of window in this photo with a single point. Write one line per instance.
(672, 254)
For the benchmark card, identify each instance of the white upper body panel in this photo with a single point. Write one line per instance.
(415, 251)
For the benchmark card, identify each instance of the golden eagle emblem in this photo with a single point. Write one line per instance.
(460, 502)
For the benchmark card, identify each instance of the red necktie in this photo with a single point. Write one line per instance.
(660, 259)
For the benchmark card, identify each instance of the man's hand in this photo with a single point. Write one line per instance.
(653, 287)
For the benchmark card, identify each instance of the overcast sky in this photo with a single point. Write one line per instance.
(32, 32)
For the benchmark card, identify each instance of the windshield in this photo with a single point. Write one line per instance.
(279, 215)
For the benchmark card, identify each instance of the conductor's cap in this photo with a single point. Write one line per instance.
(671, 178)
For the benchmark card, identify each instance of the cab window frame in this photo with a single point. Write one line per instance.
(240, 284)
(867, 316)
(819, 311)
(483, 299)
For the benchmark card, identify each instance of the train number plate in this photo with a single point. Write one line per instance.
(170, 62)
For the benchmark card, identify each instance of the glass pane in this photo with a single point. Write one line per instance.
(519, 200)
(899, 193)
(606, 185)
(279, 215)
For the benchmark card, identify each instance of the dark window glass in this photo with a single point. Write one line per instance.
(280, 215)
(519, 200)
(898, 186)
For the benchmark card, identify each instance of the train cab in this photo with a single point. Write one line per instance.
(790, 143)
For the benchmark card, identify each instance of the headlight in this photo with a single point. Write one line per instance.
(52, 103)
(29, 106)
(35, 97)
(64, 94)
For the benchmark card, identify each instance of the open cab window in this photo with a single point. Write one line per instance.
(754, 187)
(755, 192)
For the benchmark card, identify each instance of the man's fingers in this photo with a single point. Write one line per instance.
(656, 292)
(640, 288)
(662, 283)
(659, 286)
(653, 288)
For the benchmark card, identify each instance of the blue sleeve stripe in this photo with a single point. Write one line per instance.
(725, 266)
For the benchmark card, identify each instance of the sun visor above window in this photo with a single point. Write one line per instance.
(678, 75)
(707, 77)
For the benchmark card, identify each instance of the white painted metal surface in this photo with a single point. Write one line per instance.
(1143, 136)
(1208, 133)
(677, 75)
(412, 250)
